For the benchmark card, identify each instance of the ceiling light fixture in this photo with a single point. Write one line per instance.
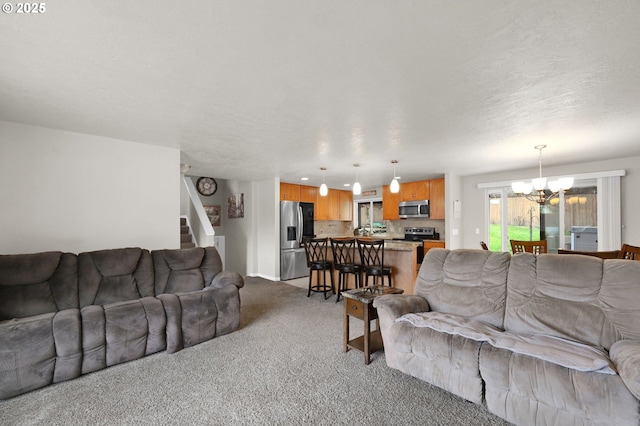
(323, 188)
(539, 184)
(357, 189)
(395, 186)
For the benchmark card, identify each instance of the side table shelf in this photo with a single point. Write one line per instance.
(359, 303)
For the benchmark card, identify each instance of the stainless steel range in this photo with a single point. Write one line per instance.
(418, 235)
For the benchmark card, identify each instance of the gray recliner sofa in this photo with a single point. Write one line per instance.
(63, 315)
(548, 339)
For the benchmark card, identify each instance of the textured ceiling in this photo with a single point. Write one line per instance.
(254, 89)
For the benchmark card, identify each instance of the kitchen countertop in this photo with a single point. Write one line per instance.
(402, 245)
(390, 244)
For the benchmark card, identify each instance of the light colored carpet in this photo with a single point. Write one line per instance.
(284, 366)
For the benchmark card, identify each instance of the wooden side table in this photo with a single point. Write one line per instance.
(359, 303)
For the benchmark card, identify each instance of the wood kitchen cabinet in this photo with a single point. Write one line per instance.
(308, 194)
(289, 192)
(436, 198)
(418, 190)
(428, 245)
(390, 203)
(328, 208)
(346, 206)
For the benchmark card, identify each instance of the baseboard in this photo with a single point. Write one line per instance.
(266, 277)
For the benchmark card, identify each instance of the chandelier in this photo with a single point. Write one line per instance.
(538, 185)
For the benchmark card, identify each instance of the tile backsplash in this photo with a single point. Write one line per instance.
(332, 228)
(395, 228)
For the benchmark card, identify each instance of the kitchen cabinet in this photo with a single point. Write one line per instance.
(289, 192)
(390, 203)
(328, 208)
(337, 205)
(428, 245)
(436, 198)
(308, 194)
(346, 206)
(411, 191)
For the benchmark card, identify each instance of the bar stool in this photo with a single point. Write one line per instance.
(316, 251)
(344, 256)
(372, 258)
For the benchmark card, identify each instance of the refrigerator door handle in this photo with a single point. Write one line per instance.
(300, 224)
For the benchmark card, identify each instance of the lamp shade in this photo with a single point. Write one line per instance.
(324, 190)
(357, 189)
(539, 183)
(566, 183)
(554, 185)
(395, 186)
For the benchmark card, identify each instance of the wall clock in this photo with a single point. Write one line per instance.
(207, 186)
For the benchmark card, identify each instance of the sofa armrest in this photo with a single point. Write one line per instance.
(226, 278)
(396, 305)
(625, 355)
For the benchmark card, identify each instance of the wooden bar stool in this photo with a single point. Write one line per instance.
(344, 256)
(372, 258)
(316, 251)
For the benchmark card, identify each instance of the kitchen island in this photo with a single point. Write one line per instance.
(401, 256)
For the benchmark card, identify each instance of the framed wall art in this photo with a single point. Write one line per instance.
(236, 206)
(214, 213)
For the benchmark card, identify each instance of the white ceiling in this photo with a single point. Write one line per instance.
(254, 89)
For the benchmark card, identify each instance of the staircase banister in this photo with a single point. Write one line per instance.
(203, 232)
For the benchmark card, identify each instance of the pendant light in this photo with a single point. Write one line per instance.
(357, 189)
(323, 188)
(395, 186)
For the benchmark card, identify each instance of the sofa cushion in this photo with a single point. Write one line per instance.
(465, 282)
(38, 351)
(33, 284)
(580, 298)
(625, 354)
(526, 391)
(110, 276)
(191, 317)
(560, 351)
(183, 270)
(444, 360)
(123, 331)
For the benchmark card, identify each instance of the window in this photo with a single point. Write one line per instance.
(578, 219)
(370, 217)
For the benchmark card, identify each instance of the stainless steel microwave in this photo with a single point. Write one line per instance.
(407, 209)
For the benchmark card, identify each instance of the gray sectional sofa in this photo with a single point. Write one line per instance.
(546, 340)
(63, 315)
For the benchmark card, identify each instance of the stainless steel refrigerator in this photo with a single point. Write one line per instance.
(296, 223)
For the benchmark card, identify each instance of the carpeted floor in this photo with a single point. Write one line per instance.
(284, 366)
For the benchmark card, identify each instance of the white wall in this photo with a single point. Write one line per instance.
(238, 231)
(74, 192)
(453, 222)
(473, 205)
(266, 246)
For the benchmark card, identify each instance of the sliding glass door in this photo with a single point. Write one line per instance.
(567, 221)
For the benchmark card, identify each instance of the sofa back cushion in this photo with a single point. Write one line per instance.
(581, 298)
(39, 283)
(471, 283)
(183, 270)
(109, 276)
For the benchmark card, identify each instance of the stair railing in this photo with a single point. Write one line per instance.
(201, 228)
